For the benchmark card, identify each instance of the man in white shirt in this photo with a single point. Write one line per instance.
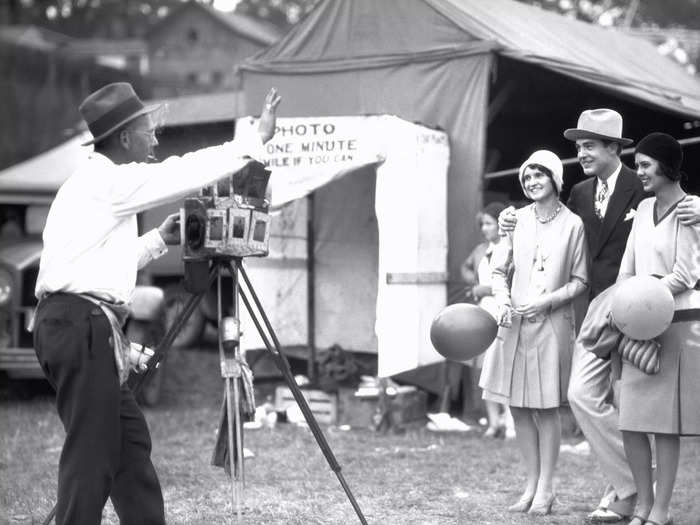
(86, 277)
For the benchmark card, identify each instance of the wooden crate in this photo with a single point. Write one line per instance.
(406, 407)
(323, 406)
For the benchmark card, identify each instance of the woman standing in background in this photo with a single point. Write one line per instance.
(476, 272)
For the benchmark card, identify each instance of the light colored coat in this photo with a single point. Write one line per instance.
(531, 365)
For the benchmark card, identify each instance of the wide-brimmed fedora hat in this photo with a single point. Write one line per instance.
(603, 124)
(110, 107)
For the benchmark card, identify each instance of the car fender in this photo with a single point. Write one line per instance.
(147, 303)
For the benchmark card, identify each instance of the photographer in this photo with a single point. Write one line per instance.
(86, 277)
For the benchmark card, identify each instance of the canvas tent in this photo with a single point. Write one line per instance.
(502, 78)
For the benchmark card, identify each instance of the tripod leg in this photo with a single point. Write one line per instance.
(172, 332)
(238, 382)
(233, 409)
(286, 370)
(234, 444)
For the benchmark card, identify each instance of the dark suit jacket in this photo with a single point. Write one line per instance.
(606, 238)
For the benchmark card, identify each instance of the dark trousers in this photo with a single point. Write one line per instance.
(107, 451)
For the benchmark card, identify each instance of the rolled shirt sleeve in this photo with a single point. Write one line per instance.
(150, 246)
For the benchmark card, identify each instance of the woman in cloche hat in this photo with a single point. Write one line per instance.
(529, 368)
(664, 403)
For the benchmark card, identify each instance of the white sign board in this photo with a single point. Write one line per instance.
(411, 214)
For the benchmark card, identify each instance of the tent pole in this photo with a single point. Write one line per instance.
(310, 280)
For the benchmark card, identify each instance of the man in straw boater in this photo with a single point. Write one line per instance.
(86, 277)
(606, 203)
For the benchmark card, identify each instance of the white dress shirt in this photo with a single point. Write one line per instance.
(611, 180)
(91, 242)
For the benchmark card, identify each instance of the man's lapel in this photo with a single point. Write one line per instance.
(620, 198)
(588, 196)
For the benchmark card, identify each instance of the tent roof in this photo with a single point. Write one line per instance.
(361, 34)
(42, 175)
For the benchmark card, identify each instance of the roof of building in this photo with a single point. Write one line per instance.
(33, 37)
(202, 108)
(257, 30)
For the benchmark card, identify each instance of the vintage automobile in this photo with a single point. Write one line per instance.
(19, 266)
(25, 196)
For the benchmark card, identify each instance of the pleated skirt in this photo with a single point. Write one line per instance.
(539, 376)
(667, 402)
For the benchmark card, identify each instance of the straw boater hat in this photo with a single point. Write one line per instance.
(110, 107)
(603, 124)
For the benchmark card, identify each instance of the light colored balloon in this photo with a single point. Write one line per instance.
(642, 307)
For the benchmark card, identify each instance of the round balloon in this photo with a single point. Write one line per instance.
(462, 331)
(642, 307)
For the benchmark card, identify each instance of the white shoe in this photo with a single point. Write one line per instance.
(601, 515)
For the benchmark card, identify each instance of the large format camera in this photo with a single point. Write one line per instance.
(229, 218)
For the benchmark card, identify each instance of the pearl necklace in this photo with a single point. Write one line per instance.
(550, 217)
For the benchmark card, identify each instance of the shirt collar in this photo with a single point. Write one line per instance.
(612, 179)
(99, 157)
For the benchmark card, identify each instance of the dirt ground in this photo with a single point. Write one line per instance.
(417, 477)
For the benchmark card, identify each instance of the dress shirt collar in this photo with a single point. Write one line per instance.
(611, 180)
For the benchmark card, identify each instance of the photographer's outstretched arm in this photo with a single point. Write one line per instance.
(268, 116)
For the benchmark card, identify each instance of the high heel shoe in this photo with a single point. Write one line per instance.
(493, 432)
(542, 507)
(522, 505)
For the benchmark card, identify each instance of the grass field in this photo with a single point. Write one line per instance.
(418, 477)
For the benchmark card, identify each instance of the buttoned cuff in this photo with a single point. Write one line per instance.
(154, 244)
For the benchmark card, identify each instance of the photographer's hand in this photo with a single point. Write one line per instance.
(170, 229)
(268, 117)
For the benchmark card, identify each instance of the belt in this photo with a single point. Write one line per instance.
(689, 314)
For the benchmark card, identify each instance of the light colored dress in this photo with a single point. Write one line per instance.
(531, 361)
(483, 272)
(667, 402)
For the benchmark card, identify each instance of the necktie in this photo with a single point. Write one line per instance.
(600, 198)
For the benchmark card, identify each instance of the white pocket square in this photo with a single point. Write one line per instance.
(630, 214)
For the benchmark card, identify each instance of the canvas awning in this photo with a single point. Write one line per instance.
(604, 57)
(36, 180)
(434, 61)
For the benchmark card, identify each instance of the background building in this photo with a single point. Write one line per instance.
(197, 49)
